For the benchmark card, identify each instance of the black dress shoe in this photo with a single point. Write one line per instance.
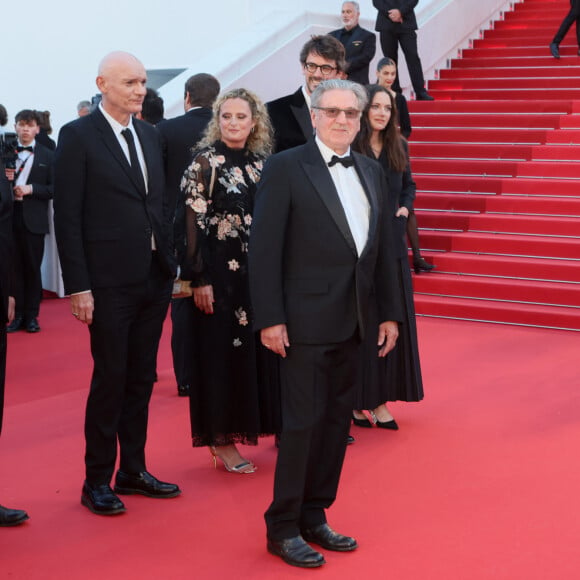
(424, 96)
(325, 537)
(10, 517)
(361, 422)
(296, 552)
(145, 484)
(183, 390)
(392, 424)
(32, 325)
(101, 500)
(555, 49)
(350, 439)
(16, 324)
(421, 265)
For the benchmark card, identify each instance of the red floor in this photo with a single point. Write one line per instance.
(481, 482)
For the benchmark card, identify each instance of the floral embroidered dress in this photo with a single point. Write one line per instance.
(233, 399)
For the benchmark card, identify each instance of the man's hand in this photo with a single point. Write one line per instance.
(388, 334)
(11, 308)
(275, 338)
(203, 297)
(21, 190)
(82, 307)
(395, 15)
(10, 174)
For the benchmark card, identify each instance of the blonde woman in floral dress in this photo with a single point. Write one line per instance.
(234, 396)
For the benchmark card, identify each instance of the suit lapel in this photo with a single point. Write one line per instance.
(112, 144)
(363, 171)
(318, 173)
(301, 113)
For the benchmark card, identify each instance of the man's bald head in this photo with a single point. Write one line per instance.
(122, 82)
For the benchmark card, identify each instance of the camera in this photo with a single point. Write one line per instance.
(8, 153)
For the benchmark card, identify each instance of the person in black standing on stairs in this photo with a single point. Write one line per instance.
(571, 17)
(397, 377)
(386, 76)
(397, 24)
(8, 517)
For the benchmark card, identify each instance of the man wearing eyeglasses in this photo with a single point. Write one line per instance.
(322, 58)
(319, 244)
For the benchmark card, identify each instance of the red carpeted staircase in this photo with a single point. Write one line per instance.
(496, 158)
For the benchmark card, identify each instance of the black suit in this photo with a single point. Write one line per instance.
(30, 225)
(404, 33)
(6, 253)
(291, 120)
(179, 136)
(570, 18)
(360, 46)
(104, 223)
(305, 273)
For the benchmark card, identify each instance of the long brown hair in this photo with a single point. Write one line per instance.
(392, 141)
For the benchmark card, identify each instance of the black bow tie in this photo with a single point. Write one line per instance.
(346, 161)
(22, 148)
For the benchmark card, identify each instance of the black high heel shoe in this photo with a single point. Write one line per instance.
(392, 424)
(361, 422)
(421, 265)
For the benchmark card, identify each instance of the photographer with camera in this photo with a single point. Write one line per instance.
(31, 178)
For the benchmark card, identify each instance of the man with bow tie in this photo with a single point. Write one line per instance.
(319, 245)
(32, 185)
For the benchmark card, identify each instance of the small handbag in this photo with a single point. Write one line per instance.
(182, 288)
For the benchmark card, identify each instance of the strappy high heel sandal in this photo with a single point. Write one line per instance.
(243, 468)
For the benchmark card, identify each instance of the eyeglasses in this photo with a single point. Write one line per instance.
(334, 112)
(325, 69)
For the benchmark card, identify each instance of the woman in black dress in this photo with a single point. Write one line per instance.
(230, 399)
(398, 376)
(386, 75)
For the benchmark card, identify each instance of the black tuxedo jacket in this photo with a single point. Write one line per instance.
(304, 267)
(6, 251)
(35, 206)
(103, 220)
(179, 136)
(407, 8)
(291, 121)
(360, 47)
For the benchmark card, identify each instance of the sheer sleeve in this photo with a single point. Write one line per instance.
(195, 188)
(409, 188)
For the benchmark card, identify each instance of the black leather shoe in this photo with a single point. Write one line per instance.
(392, 424)
(101, 500)
(10, 517)
(555, 49)
(424, 96)
(183, 390)
(32, 325)
(16, 324)
(325, 537)
(421, 265)
(145, 484)
(350, 439)
(296, 552)
(361, 422)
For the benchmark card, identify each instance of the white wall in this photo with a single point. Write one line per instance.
(51, 49)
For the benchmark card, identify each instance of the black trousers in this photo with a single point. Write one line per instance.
(317, 401)
(3, 344)
(29, 249)
(182, 339)
(125, 333)
(408, 40)
(571, 17)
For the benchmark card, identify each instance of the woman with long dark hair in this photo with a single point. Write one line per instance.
(398, 376)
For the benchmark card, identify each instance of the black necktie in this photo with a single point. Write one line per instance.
(135, 165)
(21, 148)
(346, 161)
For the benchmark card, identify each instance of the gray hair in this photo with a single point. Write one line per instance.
(355, 4)
(83, 105)
(339, 85)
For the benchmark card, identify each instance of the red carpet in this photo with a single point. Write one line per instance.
(480, 482)
(495, 158)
